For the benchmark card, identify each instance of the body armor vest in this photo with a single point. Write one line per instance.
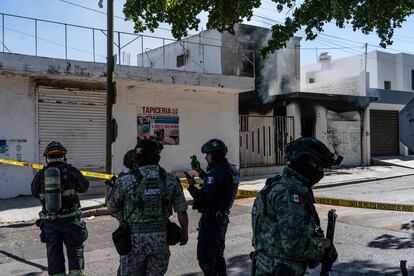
(151, 207)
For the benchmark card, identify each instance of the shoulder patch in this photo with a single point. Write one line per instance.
(296, 203)
(297, 198)
(210, 180)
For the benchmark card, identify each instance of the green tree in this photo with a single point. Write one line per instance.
(381, 16)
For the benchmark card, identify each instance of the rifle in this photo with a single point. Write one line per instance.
(330, 255)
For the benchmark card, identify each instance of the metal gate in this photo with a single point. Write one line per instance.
(76, 118)
(263, 140)
(385, 139)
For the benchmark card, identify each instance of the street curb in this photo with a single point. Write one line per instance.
(91, 211)
(358, 181)
(100, 210)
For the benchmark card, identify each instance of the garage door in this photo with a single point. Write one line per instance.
(384, 133)
(76, 118)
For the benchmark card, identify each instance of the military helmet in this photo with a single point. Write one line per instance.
(214, 146)
(54, 149)
(313, 148)
(148, 151)
(130, 159)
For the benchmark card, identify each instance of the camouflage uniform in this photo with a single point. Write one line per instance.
(284, 230)
(150, 252)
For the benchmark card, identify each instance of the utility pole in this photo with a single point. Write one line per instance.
(366, 55)
(110, 93)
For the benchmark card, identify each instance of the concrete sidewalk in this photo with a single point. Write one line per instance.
(22, 209)
(339, 177)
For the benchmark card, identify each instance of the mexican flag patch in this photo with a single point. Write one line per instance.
(210, 180)
(297, 198)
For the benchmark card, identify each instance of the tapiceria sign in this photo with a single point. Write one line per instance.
(159, 110)
(158, 123)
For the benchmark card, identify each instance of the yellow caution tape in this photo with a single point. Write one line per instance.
(246, 193)
(252, 193)
(39, 167)
(365, 204)
(21, 164)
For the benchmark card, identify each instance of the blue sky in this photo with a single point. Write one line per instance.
(19, 33)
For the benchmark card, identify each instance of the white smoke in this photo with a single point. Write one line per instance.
(277, 73)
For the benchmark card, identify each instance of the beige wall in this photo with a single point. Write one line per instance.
(203, 115)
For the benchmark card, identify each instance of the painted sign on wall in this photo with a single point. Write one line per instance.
(3, 147)
(12, 148)
(158, 123)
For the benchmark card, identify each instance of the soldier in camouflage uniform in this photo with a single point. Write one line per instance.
(144, 198)
(130, 163)
(286, 237)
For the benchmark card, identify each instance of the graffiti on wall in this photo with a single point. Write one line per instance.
(12, 148)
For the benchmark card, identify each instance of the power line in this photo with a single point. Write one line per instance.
(101, 12)
(84, 7)
(336, 37)
(269, 19)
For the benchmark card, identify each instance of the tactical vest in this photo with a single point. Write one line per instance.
(149, 204)
(265, 239)
(70, 198)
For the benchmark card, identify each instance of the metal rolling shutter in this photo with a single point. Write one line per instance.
(384, 133)
(76, 118)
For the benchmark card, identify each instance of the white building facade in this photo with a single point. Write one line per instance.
(385, 80)
(45, 99)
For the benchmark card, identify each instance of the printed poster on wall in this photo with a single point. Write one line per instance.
(158, 123)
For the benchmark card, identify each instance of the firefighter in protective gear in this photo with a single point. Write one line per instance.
(57, 186)
(144, 200)
(286, 229)
(213, 201)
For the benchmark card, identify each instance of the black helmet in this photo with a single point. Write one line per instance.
(54, 149)
(148, 152)
(313, 148)
(130, 159)
(216, 147)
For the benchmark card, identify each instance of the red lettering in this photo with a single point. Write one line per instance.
(159, 110)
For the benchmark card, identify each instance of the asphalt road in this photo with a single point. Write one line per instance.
(369, 242)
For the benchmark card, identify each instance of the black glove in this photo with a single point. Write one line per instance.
(111, 182)
(195, 165)
(190, 179)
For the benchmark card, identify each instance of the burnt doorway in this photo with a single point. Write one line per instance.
(307, 120)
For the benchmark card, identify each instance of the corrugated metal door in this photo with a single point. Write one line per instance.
(76, 118)
(384, 133)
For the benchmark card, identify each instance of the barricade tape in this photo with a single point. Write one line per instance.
(365, 204)
(252, 193)
(39, 167)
